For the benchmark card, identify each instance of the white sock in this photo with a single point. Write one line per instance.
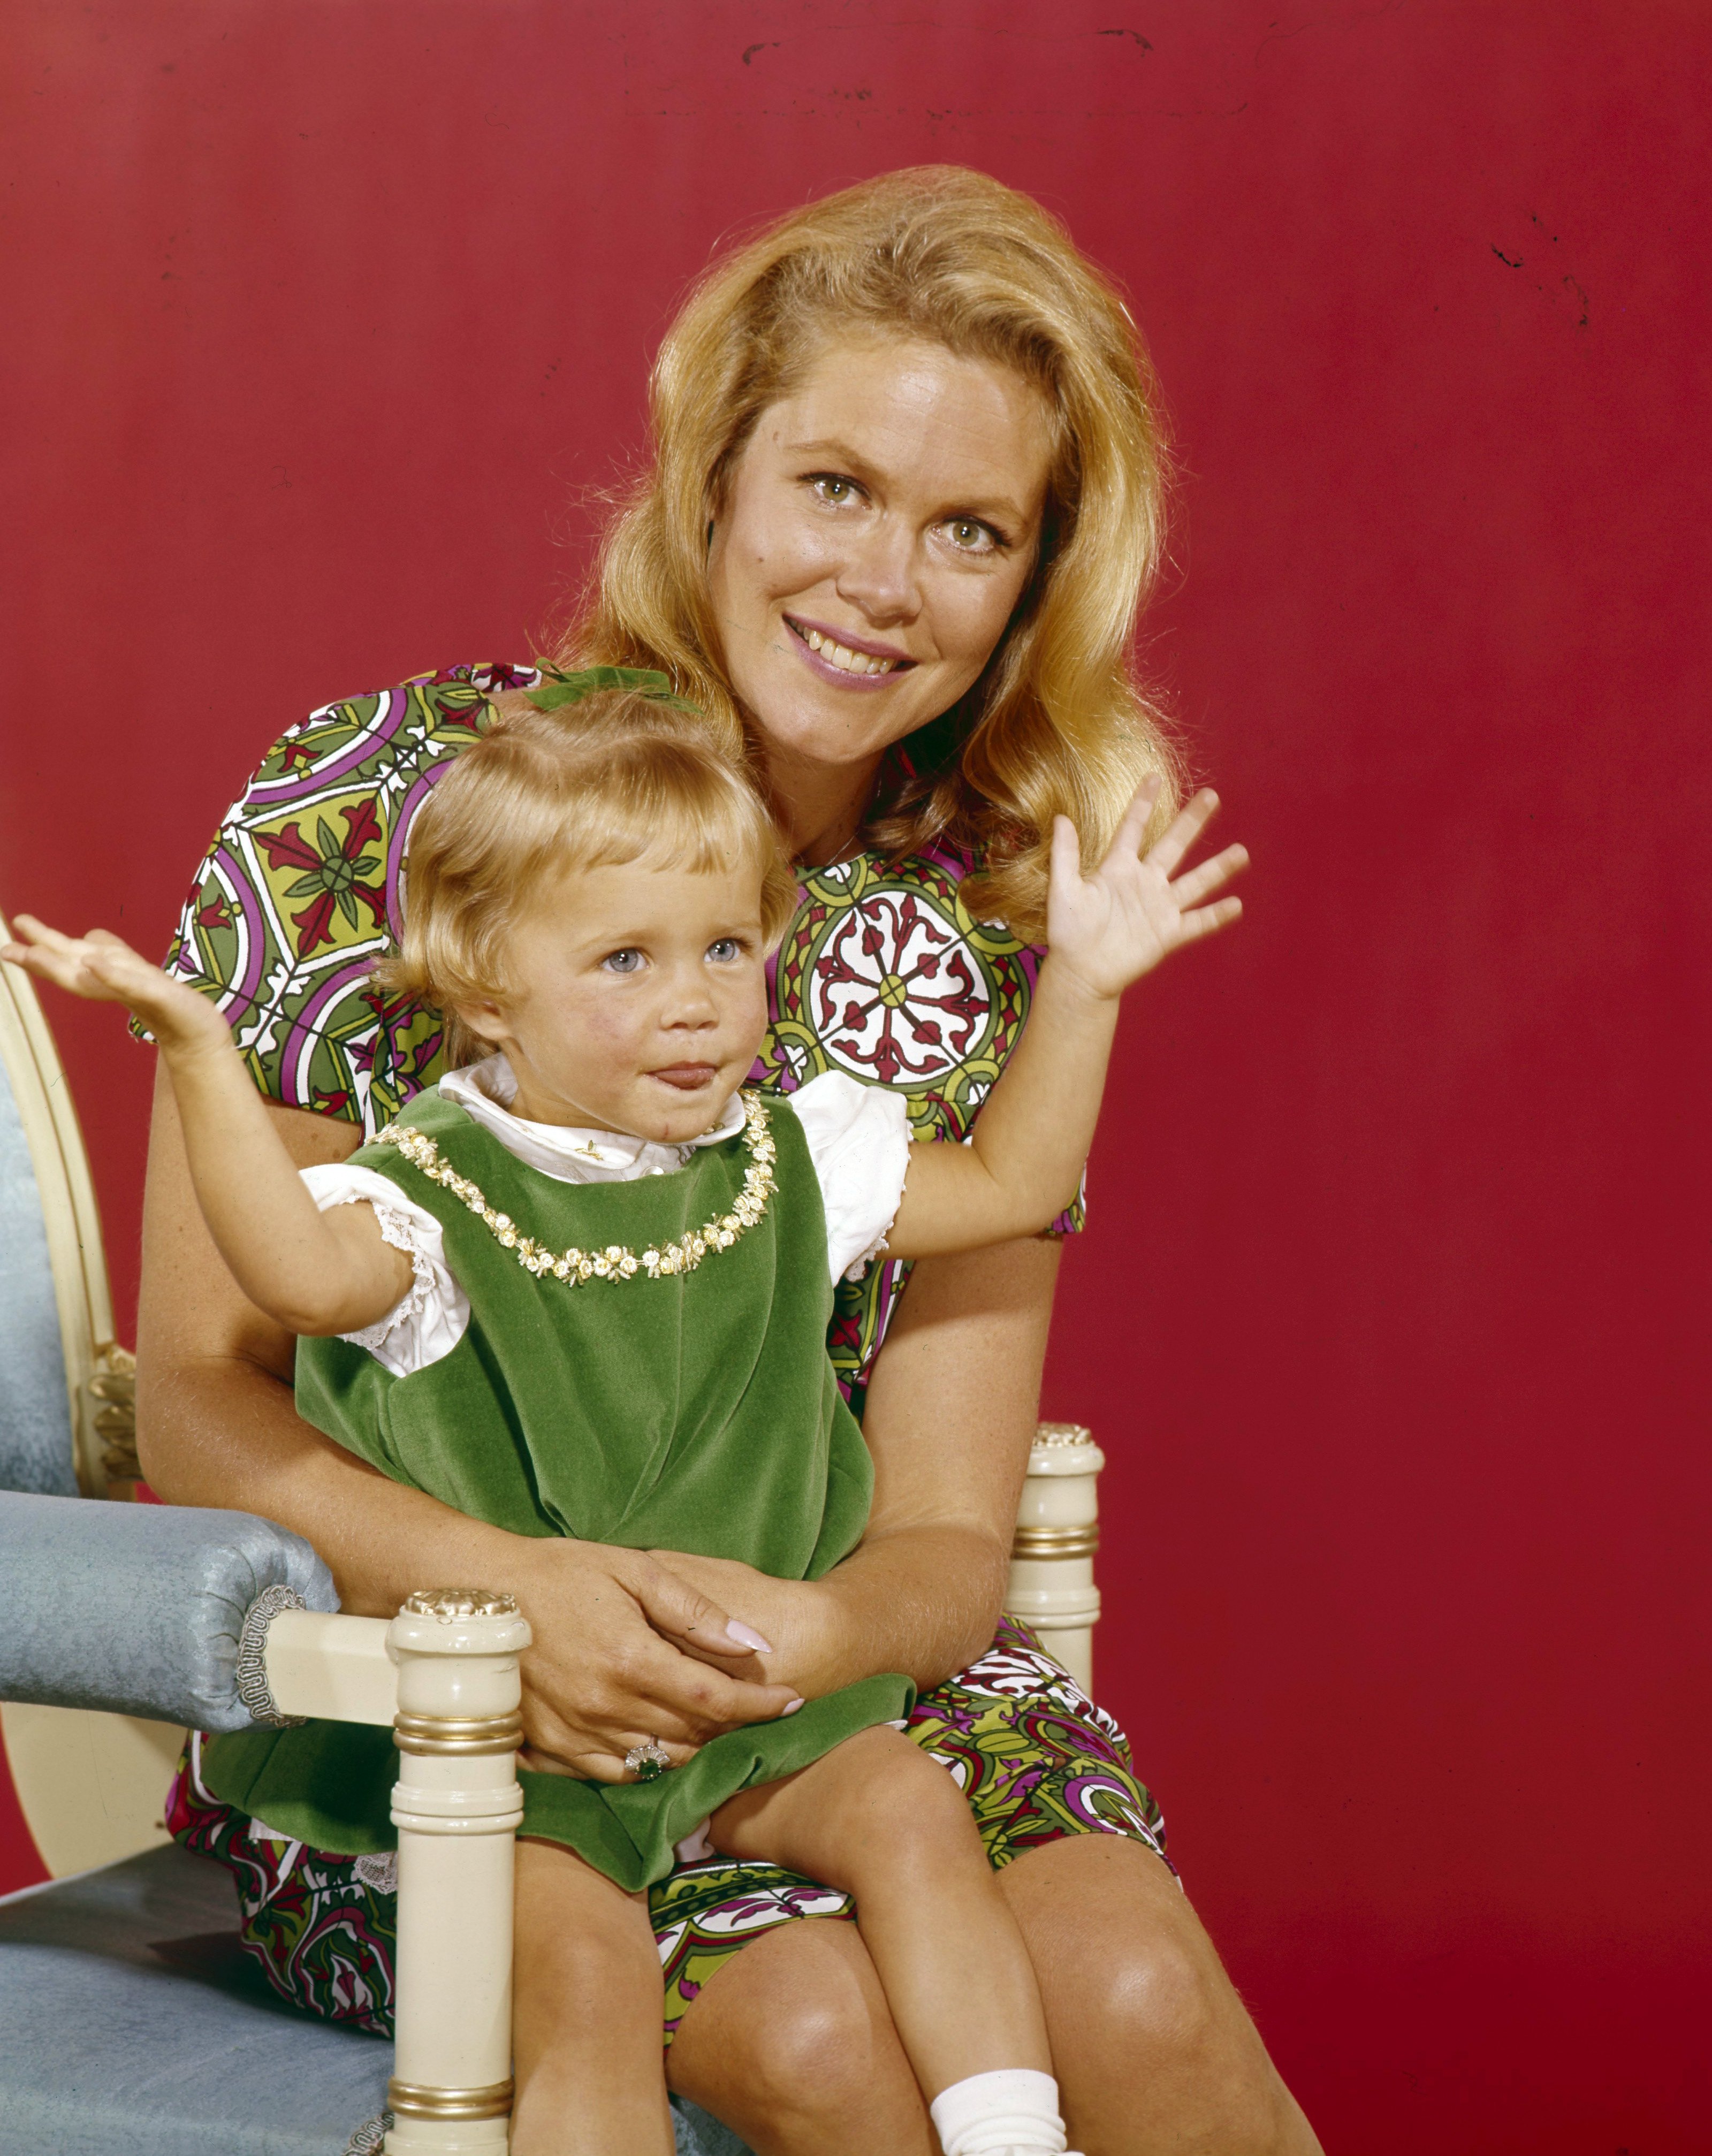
(1015, 2108)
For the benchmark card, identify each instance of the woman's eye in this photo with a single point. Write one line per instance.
(725, 950)
(969, 535)
(829, 487)
(621, 962)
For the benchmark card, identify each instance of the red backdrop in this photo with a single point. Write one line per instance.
(318, 318)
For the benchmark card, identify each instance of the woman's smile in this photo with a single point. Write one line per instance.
(878, 530)
(842, 656)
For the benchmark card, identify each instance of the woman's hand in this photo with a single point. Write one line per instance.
(802, 1619)
(627, 1649)
(1111, 928)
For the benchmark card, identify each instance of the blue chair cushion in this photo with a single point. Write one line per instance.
(139, 1609)
(132, 2023)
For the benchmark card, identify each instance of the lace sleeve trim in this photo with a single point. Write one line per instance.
(404, 1233)
(431, 1317)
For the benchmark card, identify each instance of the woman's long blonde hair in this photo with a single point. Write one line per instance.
(1056, 724)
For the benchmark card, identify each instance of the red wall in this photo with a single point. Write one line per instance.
(318, 317)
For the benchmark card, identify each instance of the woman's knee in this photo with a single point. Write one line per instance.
(793, 2038)
(1116, 1944)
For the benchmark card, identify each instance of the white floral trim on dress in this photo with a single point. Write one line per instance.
(858, 1140)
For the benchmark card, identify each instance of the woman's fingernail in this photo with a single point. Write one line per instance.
(791, 1709)
(746, 1635)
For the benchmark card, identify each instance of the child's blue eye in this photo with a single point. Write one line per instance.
(621, 962)
(725, 950)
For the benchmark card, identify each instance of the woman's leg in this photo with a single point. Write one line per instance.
(585, 2016)
(879, 1819)
(791, 2045)
(1154, 2049)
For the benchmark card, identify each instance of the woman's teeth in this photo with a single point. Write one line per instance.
(842, 656)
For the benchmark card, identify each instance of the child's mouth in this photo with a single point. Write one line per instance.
(687, 1077)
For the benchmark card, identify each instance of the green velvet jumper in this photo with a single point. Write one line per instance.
(696, 1411)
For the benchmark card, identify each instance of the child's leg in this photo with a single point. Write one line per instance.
(879, 1819)
(585, 2014)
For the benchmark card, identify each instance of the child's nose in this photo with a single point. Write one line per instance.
(691, 1002)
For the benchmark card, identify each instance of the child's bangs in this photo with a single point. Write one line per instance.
(707, 824)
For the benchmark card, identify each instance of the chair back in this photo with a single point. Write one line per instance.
(62, 1378)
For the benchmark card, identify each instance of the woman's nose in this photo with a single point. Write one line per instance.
(879, 572)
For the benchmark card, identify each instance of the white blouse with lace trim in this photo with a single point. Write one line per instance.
(858, 1138)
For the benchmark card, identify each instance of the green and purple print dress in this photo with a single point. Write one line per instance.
(883, 975)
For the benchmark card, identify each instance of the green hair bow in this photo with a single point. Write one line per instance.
(562, 688)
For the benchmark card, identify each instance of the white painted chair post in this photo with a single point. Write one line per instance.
(1052, 1556)
(445, 1674)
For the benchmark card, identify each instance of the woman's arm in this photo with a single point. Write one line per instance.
(616, 1634)
(950, 1416)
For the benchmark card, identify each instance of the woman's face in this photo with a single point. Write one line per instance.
(882, 524)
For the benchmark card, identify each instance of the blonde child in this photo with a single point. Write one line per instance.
(583, 1290)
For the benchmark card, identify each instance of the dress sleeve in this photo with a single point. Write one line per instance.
(430, 1319)
(859, 1142)
(298, 895)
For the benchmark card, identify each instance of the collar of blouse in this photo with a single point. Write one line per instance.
(485, 1090)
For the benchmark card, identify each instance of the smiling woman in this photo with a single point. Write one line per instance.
(905, 505)
(911, 422)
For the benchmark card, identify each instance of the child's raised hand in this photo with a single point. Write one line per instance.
(1113, 926)
(102, 970)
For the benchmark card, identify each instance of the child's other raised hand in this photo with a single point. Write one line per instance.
(102, 970)
(1113, 926)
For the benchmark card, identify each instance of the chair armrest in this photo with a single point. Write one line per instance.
(333, 1669)
(139, 1609)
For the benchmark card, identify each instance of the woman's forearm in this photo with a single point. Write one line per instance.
(221, 1431)
(924, 1600)
(951, 1413)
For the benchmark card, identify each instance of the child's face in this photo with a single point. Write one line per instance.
(644, 999)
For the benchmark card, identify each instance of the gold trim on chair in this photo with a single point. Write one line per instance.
(1055, 1542)
(457, 1737)
(411, 2100)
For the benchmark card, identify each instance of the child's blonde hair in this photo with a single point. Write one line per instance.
(618, 775)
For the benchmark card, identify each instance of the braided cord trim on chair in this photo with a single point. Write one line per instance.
(252, 1665)
(367, 2140)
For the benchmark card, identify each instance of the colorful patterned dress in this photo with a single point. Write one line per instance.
(882, 974)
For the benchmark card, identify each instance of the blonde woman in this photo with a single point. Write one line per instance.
(904, 506)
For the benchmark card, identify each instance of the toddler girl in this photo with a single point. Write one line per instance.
(582, 1289)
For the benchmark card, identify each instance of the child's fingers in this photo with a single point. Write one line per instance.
(39, 936)
(1186, 827)
(107, 940)
(99, 965)
(1201, 882)
(1208, 920)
